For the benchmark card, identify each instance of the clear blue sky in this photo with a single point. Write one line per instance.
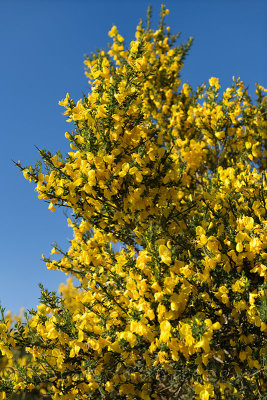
(42, 47)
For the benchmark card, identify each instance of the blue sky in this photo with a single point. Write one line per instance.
(43, 43)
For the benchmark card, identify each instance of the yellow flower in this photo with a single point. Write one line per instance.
(127, 388)
(214, 82)
(109, 386)
(165, 331)
(165, 254)
(65, 102)
(239, 247)
(26, 173)
(204, 395)
(200, 230)
(113, 32)
(51, 207)
(216, 326)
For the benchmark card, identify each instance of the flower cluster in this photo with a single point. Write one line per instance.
(167, 190)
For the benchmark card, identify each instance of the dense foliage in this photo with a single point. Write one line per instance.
(167, 192)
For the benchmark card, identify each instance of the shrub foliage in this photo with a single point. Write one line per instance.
(166, 189)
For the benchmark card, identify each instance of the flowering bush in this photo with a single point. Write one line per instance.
(167, 190)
